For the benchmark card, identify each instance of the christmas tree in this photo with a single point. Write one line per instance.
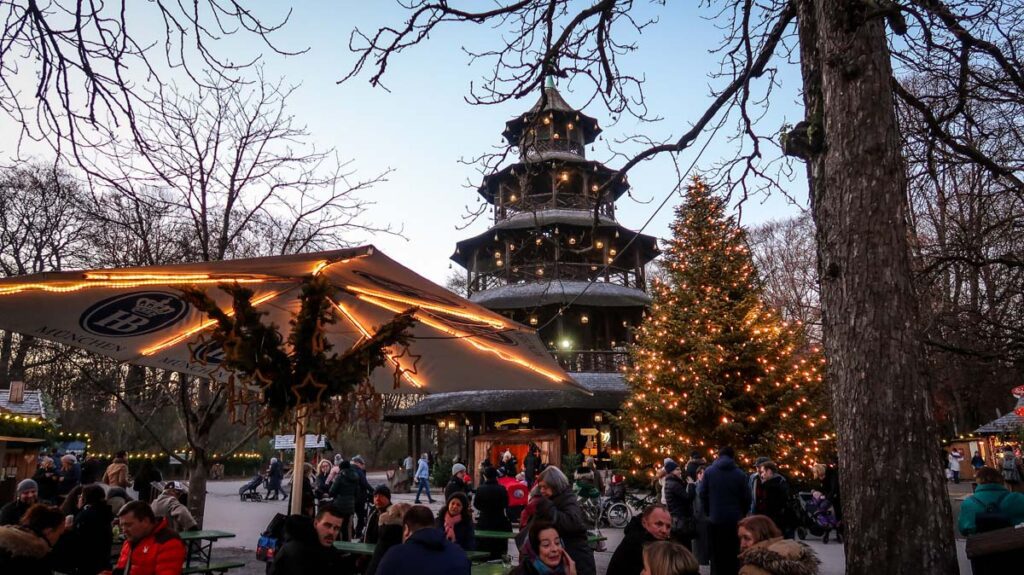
(712, 364)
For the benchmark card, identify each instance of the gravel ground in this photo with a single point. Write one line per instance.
(225, 512)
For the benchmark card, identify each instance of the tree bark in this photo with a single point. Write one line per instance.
(887, 438)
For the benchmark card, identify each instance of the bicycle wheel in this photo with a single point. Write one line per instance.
(618, 515)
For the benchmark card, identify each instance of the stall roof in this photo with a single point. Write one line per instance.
(32, 405)
(536, 294)
(1009, 423)
(609, 392)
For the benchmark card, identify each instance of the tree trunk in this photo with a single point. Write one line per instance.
(888, 440)
(198, 474)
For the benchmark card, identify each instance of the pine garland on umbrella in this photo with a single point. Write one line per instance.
(305, 372)
(713, 365)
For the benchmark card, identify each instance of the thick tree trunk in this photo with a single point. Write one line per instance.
(895, 503)
(198, 474)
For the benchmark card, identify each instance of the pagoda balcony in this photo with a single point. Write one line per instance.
(544, 147)
(606, 361)
(533, 272)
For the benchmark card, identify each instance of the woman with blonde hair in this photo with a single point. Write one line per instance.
(669, 558)
(763, 551)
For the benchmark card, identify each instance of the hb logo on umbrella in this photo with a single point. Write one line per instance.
(133, 314)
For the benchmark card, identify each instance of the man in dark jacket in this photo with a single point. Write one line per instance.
(771, 495)
(696, 460)
(531, 465)
(679, 496)
(363, 493)
(309, 545)
(492, 502)
(460, 481)
(26, 495)
(655, 524)
(343, 490)
(725, 495)
(381, 503)
(425, 551)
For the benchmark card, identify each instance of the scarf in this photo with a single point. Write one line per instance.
(542, 569)
(449, 525)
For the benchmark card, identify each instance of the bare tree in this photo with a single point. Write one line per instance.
(79, 74)
(784, 254)
(850, 142)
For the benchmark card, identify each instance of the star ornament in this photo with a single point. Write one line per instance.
(310, 391)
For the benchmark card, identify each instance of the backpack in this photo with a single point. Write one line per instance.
(271, 539)
(1010, 472)
(992, 517)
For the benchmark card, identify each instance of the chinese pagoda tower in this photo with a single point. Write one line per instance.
(555, 242)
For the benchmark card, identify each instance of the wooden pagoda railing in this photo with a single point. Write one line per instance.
(592, 361)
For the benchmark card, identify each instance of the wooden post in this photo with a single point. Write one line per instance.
(298, 477)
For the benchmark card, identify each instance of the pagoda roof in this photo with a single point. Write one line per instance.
(490, 181)
(1009, 423)
(648, 245)
(538, 293)
(552, 101)
(608, 392)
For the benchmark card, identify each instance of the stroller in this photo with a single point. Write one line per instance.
(249, 491)
(816, 516)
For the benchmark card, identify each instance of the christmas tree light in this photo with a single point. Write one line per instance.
(713, 365)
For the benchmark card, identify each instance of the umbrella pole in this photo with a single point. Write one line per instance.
(298, 477)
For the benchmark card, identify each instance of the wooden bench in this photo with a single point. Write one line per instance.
(219, 568)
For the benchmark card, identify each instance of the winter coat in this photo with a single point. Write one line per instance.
(987, 494)
(770, 499)
(426, 552)
(388, 536)
(373, 525)
(422, 469)
(364, 491)
(628, 558)
(302, 552)
(69, 479)
(274, 476)
(724, 492)
(344, 491)
(47, 480)
(571, 523)
(531, 465)
(456, 485)
(178, 516)
(492, 502)
(510, 467)
(144, 480)
(92, 538)
(160, 553)
(23, 552)
(779, 556)
(679, 497)
(12, 512)
(323, 486)
(116, 474)
(465, 535)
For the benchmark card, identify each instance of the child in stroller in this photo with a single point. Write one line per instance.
(248, 492)
(817, 516)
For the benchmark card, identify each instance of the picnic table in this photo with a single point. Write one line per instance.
(367, 549)
(489, 569)
(199, 545)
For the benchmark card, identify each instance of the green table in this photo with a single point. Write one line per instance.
(490, 569)
(200, 544)
(367, 549)
(482, 534)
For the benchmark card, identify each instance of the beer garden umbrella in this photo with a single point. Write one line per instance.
(141, 316)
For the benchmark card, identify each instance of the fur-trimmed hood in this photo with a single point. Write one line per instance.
(779, 556)
(19, 542)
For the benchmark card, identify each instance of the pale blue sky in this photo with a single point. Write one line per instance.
(423, 126)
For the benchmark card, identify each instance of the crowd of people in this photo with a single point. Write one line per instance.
(65, 519)
(710, 512)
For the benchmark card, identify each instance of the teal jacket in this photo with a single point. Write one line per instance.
(984, 495)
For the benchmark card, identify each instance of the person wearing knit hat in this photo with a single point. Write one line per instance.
(670, 466)
(27, 494)
(459, 483)
(660, 477)
(381, 503)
